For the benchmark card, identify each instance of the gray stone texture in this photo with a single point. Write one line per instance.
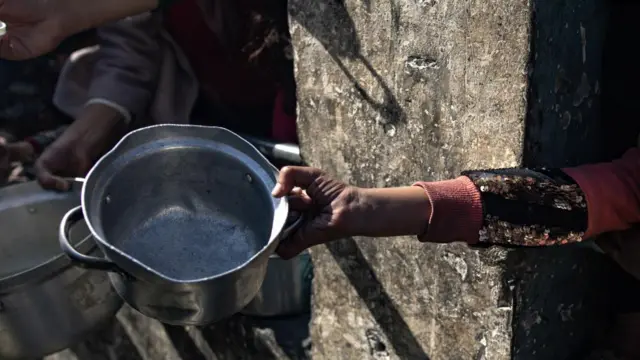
(391, 92)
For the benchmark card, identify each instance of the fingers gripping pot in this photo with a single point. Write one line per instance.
(186, 221)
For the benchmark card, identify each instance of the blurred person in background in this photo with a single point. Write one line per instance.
(14, 156)
(224, 63)
(36, 27)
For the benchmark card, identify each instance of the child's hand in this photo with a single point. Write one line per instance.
(335, 210)
(331, 208)
(73, 153)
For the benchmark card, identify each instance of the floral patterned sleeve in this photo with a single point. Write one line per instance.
(523, 207)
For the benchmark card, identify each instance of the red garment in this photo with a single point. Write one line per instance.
(223, 76)
(612, 191)
(284, 125)
(456, 211)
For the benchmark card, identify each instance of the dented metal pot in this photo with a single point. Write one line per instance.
(186, 220)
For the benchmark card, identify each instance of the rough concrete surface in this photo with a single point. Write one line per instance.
(390, 92)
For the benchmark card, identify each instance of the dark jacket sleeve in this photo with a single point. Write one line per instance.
(534, 207)
(527, 207)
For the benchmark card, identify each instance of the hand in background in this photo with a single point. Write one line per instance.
(68, 156)
(34, 27)
(10, 153)
(75, 151)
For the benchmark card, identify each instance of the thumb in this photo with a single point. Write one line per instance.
(295, 176)
(48, 181)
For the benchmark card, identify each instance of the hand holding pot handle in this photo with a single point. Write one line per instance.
(89, 262)
(328, 206)
(294, 222)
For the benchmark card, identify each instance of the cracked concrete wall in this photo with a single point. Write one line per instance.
(390, 92)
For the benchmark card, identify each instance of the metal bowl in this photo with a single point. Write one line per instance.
(46, 304)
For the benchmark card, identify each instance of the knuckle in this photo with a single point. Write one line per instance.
(339, 218)
(285, 170)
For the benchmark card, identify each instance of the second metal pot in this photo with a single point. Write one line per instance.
(46, 303)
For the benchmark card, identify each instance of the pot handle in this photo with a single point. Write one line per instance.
(293, 227)
(73, 180)
(88, 262)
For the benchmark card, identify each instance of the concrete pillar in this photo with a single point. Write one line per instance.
(395, 91)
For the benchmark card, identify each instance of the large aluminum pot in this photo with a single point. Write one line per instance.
(186, 220)
(286, 289)
(46, 304)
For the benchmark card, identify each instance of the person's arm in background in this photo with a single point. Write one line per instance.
(35, 27)
(24, 151)
(122, 87)
(125, 75)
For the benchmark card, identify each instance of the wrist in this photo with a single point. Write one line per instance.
(96, 127)
(67, 19)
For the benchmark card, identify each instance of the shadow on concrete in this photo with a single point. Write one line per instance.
(363, 279)
(620, 79)
(563, 128)
(184, 344)
(339, 37)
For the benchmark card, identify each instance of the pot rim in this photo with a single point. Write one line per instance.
(49, 268)
(280, 211)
